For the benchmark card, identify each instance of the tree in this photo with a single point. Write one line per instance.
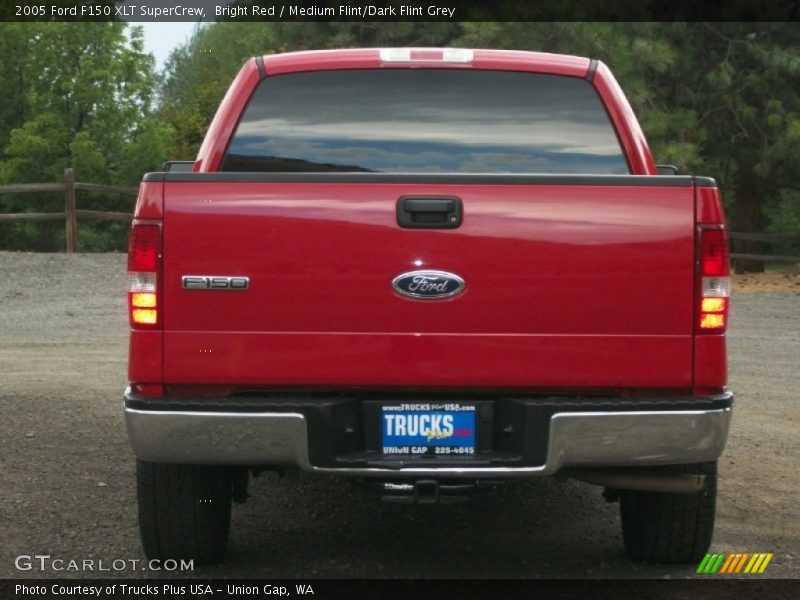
(732, 94)
(82, 96)
(14, 108)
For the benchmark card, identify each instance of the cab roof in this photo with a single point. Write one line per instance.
(449, 58)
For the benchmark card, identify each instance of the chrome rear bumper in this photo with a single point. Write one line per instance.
(576, 439)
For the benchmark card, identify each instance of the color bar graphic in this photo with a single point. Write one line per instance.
(734, 562)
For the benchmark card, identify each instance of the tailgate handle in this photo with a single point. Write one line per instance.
(429, 212)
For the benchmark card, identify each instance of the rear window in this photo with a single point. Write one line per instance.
(418, 120)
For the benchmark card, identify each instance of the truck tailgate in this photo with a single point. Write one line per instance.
(568, 284)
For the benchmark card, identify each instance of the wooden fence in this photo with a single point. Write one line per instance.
(71, 213)
(764, 238)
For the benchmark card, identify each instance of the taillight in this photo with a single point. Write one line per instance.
(144, 269)
(715, 281)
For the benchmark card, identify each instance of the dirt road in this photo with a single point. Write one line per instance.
(66, 471)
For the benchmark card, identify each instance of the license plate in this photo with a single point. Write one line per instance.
(436, 428)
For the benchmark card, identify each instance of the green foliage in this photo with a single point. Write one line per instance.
(103, 237)
(37, 151)
(82, 96)
(784, 212)
(720, 99)
(733, 105)
(13, 109)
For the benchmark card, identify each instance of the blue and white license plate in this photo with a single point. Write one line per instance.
(438, 428)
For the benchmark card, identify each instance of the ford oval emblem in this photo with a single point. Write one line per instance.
(428, 285)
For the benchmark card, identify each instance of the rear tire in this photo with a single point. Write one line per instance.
(670, 528)
(184, 511)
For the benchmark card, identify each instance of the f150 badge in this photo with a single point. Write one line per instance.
(428, 285)
(214, 282)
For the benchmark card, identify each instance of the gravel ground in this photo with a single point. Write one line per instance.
(67, 486)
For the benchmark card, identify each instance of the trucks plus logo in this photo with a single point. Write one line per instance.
(734, 562)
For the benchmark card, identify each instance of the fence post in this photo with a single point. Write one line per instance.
(69, 209)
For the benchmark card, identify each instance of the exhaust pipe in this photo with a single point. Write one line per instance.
(642, 481)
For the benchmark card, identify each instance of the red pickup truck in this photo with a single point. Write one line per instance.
(430, 270)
